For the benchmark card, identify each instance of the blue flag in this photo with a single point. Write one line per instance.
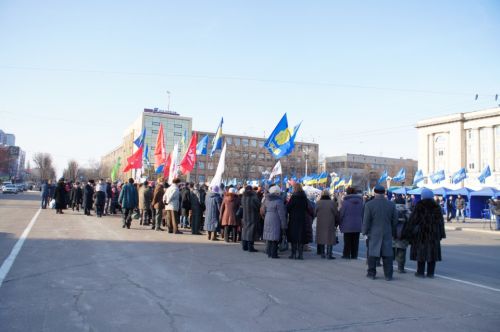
(201, 147)
(484, 174)
(282, 141)
(419, 177)
(217, 141)
(438, 176)
(145, 156)
(139, 141)
(383, 177)
(401, 176)
(459, 176)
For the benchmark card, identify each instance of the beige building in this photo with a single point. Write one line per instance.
(247, 159)
(470, 140)
(174, 128)
(366, 170)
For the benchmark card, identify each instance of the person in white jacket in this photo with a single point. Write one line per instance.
(171, 200)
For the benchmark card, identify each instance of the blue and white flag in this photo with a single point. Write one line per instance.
(217, 141)
(145, 156)
(401, 176)
(438, 176)
(419, 177)
(459, 176)
(383, 177)
(484, 174)
(201, 148)
(281, 142)
(139, 141)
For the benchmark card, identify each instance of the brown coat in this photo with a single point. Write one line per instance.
(228, 209)
(157, 202)
(326, 222)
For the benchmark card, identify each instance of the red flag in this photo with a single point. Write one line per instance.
(160, 152)
(134, 161)
(187, 163)
(166, 168)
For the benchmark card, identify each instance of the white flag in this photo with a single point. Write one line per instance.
(174, 167)
(276, 170)
(216, 181)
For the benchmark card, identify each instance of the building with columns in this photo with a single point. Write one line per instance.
(470, 140)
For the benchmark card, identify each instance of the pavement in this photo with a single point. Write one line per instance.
(473, 225)
(78, 273)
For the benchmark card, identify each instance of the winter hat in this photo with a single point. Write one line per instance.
(216, 189)
(379, 189)
(426, 194)
(275, 190)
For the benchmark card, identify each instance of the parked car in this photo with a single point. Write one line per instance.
(9, 189)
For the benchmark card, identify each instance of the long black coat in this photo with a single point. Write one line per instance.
(88, 196)
(76, 195)
(251, 217)
(60, 196)
(298, 208)
(425, 231)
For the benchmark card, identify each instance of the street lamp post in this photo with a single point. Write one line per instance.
(306, 151)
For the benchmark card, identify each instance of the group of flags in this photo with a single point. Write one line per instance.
(456, 177)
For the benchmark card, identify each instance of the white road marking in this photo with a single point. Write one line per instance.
(7, 264)
(443, 277)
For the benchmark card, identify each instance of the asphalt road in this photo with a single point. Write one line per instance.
(77, 273)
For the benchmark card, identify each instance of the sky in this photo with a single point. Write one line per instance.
(359, 74)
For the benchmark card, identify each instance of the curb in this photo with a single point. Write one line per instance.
(458, 228)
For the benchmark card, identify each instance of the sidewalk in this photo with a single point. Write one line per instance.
(473, 225)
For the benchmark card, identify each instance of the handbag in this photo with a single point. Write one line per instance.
(283, 246)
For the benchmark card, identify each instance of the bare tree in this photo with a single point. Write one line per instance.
(71, 172)
(43, 162)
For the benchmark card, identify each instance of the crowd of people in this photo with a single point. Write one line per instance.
(285, 220)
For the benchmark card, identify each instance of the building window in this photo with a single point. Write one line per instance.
(210, 165)
(177, 125)
(261, 144)
(229, 140)
(261, 156)
(471, 152)
(201, 178)
(155, 123)
(253, 156)
(236, 141)
(177, 134)
(244, 141)
(201, 165)
(154, 131)
(253, 143)
(486, 146)
(440, 145)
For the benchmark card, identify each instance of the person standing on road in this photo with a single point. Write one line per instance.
(326, 224)
(497, 211)
(228, 208)
(196, 209)
(60, 196)
(45, 194)
(88, 197)
(250, 204)
(185, 205)
(273, 211)
(100, 198)
(351, 219)
(425, 231)
(460, 205)
(158, 205)
(297, 208)
(450, 209)
(212, 213)
(109, 196)
(76, 196)
(399, 243)
(128, 202)
(145, 199)
(379, 222)
(171, 198)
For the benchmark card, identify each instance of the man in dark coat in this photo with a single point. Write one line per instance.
(76, 196)
(157, 205)
(251, 217)
(196, 210)
(185, 205)
(351, 219)
(45, 194)
(128, 200)
(88, 197)
(60, 196)
(379, 223)
(297, 208)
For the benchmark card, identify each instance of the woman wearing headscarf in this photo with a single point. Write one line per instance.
(274, 213)
(212, 213)
(326, 223)
(425, 230)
